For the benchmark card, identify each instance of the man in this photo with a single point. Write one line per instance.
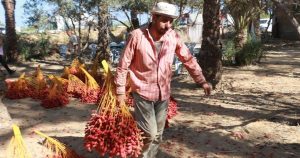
(2, 59)
(73, 42)
(148, 58)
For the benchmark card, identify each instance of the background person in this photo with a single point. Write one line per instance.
(148, 58)
(73, 42)
(2, 59)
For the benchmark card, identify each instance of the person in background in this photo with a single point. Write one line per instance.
(73, 42)
(148, 58)
(93, 48)
(2, 59)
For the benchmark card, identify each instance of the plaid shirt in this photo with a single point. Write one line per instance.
(150, 72)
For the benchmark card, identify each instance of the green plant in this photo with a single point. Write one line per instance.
(44, 44)
(229, 52)
(24, 50)
(250, 53)
(34, 48)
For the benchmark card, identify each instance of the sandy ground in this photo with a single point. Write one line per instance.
(256, 113)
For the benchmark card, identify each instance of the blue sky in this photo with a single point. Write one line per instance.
(20, 18)
(19, 13)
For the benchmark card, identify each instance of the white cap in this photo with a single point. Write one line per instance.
(166, 9)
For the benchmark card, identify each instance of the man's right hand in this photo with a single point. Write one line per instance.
(121, 98)
(207, 88)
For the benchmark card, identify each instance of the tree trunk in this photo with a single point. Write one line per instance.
(87, 43)
(79, 29)
(210, 55)
(289, 16)
(11, 36)
(257, 32)
(134, 19)
(240, 38)
(66, 23)
(181, 6)
(73, 23)
(103, 32)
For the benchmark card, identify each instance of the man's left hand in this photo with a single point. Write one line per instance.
(207, 88)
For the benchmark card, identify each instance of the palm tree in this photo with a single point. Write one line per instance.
(210, 54)
(242, 12)
(103, 30)
(11, 37)
(135, 7)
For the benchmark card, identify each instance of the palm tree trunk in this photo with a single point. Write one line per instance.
(289, 16)
(210, 55)
(256, 27)
(79, 29)
(181, 6)
(11, 36)
(134, 19)
(240, 38)
(103, 32)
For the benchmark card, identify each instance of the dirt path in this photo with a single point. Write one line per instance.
(256, 114)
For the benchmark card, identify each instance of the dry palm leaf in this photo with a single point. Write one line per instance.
(66, 73)
(75, 69)
(59, 149)
(17, 148)
(92, 89)
(90, 81)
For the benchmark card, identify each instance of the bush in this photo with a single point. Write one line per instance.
(229, 52)
(35, 47)
(251, 53)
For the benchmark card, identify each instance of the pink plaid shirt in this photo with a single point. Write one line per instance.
(150, 72)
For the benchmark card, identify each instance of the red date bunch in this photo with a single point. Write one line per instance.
(172, 110)
(75, 86)
(90, 95)
(129, 100)
(55, 98)
(113, 135)
(75, 69)
(57, 94)
(18, 89)
(92, 89)
(38, 84)
(111, 129)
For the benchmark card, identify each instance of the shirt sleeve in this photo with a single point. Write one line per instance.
(124, 63)
(189, 61)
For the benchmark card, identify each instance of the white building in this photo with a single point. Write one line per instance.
(58, 23)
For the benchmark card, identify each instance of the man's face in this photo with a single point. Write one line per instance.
(162, 23)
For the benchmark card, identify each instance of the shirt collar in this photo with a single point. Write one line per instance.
(146, 29)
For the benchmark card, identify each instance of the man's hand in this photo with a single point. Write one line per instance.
(121, 98)
(207, 88)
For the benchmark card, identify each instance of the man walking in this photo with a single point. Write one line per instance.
(2, 59)
(148, 58)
